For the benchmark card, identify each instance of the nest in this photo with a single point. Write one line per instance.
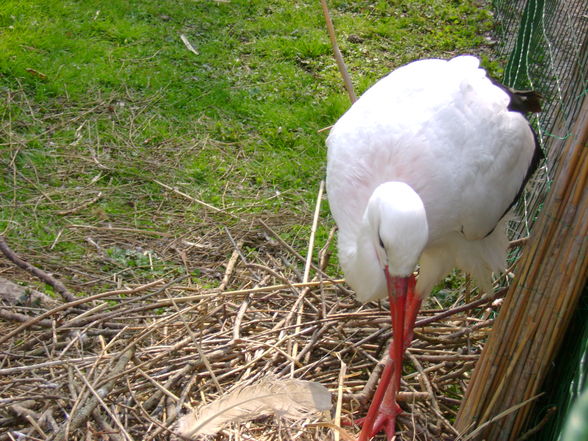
(125, 364)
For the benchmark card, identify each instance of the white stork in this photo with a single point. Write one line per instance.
(422, 170)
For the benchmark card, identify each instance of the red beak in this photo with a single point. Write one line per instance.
(398, 290)
(404, 305)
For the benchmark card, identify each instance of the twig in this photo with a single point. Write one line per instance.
(315, 219)
(48, 279)
(456, 374)
(114, 436)
(300, 309)
(156, 396)
(203, 356)
(17, 317)
(15, 294)
(532, 328)
(498, 417)
(518, 242)
(337, 52)
(121, 229)
(270, 272)
(45, 364)
(548, 414)
(342, 374)
(31, 416)
(231, 266)
(450, 357)
(431, 393)
(281, 241)
(298, 255)
(72, 304)
(84, 413)
(160, 388)
(193, 199)
(372, 381)
(82, 206)
(239, 317)
(463, 308)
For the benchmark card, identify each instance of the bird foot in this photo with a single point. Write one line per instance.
(385, 420)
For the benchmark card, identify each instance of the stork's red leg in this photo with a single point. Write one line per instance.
(377, 413)
(413, 305)
(389, 405)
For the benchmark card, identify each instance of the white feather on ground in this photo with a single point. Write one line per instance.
(291, 399)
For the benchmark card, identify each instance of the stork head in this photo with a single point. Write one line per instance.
(398, 225)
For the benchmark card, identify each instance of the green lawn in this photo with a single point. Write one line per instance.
(102, 103)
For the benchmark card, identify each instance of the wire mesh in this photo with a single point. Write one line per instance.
(546, 42)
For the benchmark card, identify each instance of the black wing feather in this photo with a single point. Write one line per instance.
(524, 101)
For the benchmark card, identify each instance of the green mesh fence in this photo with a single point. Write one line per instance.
(546, 44)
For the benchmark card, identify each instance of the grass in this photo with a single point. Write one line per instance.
(102, 99)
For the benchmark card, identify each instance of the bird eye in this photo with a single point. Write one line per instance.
(380, 240)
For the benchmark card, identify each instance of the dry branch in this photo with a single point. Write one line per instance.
(71, 304)
(337, 52)
(191, 343)
(17, 294)
(87, 408)
(39, 273)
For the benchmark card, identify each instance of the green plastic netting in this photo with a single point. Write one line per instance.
(546, 44)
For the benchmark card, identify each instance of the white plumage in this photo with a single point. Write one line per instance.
(422, 169)
(443, 128)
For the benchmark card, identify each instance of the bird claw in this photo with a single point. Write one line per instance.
(385, 421)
